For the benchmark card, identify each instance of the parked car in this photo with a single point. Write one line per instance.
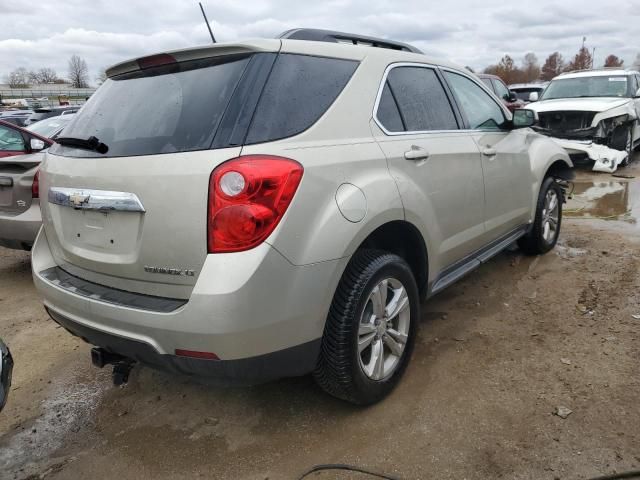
(42, 113)
(270, 208)
(497, 86)
(528, 92)
(51, 127)
(593, 115)
(20, 157)
(17, 117)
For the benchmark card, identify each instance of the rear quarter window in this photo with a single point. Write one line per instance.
(298, 92)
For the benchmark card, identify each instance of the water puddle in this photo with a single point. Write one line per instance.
(609, 199)
(69, 408)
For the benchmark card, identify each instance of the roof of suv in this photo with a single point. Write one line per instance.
(596, 73)
(340, 49)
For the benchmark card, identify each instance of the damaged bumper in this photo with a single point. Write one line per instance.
(606, 159)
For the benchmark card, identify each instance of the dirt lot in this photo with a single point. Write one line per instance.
(496, 355)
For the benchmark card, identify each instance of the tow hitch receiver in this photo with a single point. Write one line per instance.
(121, 365)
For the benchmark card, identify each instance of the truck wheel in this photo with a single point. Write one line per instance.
(623, 140)
(370, 330)
(545, 230)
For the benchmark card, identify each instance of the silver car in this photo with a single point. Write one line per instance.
(279, 207)
(20, 157)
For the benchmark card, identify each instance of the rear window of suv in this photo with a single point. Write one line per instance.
(179, 107)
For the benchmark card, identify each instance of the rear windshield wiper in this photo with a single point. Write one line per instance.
(91, 143)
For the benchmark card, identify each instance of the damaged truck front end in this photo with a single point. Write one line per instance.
(593, 115)
(601, 137)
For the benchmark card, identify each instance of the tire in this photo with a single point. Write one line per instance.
(538, 240)
(624, 141)
(345, 372)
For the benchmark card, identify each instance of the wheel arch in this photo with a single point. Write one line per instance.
(405, 240)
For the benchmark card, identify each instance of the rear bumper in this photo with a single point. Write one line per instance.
(20, 231)
(248, 308)
(291, 362)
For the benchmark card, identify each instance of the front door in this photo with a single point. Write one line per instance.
(505, 156)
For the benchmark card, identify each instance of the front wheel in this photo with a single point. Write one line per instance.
(370, 330)
(545, 230)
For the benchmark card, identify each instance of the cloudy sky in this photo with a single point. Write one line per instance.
(45, 33)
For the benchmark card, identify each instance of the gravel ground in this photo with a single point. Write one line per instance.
(497, 355)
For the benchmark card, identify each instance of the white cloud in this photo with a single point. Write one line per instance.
(471, 33)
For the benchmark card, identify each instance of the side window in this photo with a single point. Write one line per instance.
(481, 110)
(388, 113)
(299, 91)
(487, 82)
(501, 89)
(10, 140)
(422, 102)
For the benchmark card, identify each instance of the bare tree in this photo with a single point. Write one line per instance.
(78, 72)
(47, 75)
(636, 63)
(553, 66)
(19, 78)
(613, 61)
(102, 76)
(530, 67)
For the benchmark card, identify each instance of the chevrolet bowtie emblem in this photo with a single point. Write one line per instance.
(77, 199)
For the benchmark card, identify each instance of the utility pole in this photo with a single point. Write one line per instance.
(593, 57)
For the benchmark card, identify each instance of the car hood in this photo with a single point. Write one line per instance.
(594, 104)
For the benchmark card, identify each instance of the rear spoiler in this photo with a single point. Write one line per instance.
(197, 53)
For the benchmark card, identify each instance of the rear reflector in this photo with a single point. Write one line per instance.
(156, 60)
(194, 354)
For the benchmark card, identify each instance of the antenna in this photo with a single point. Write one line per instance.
(213, 39)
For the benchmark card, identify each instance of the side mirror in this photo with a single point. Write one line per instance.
(523, 118)
(6, 368)
(36, 144)
(534, 96)
(511, 97)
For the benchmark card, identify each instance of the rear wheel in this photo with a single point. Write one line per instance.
(545, 230)
(370, 330)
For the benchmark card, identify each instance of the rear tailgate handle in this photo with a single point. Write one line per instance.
(416, 153)
(6, 182)
(101, 200)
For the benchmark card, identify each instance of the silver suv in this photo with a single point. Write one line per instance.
(273, 208)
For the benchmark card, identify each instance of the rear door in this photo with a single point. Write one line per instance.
(135, 217)
(505, 156)
(436, 165)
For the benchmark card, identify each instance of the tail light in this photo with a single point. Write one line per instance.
(35, 186)
(247, 198)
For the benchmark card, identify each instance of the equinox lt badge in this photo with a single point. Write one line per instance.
(170, 271)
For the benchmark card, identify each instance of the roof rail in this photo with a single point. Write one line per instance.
(318, 35)
(599, 69)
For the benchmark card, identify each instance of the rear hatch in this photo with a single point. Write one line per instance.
(16, 181)
(135, 217)
(127, 184)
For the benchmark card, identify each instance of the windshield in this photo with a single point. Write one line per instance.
(49, 127)
(600, 86)
(166, 109)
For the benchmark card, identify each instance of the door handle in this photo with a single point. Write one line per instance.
(489, 152)
(416, 153)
